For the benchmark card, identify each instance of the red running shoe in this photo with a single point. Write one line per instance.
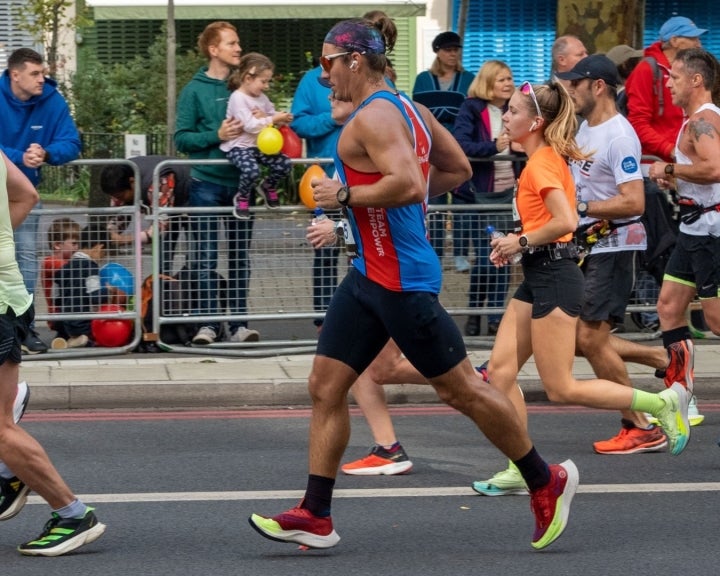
(632, 440)
(681, 367)
(297, 525)
(551, 503)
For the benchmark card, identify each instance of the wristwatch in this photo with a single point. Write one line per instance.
(343, 195)
(582, 208)
(669, 169)
(523, 241)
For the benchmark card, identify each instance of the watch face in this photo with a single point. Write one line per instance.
(343, 195)
(523, 241)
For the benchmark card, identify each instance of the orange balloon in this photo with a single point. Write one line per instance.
(306, 191)
(270, 140)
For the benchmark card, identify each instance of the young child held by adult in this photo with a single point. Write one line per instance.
(248, 103)
(63, 239)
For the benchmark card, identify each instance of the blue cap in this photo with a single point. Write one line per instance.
(680, 26)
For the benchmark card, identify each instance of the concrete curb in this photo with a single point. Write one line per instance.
(173, 382)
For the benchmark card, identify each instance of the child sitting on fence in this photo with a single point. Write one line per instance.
(77, 288)
(249, 103)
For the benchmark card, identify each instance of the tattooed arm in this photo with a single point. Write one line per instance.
(700, 141)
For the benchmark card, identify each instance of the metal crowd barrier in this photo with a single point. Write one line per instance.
(280, 287)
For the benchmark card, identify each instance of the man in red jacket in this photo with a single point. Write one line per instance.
(651, 112)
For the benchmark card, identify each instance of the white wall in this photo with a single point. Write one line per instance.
(437, 20)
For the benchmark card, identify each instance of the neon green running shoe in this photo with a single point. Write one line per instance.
(694, 415)
(504, 483)
(674, 417)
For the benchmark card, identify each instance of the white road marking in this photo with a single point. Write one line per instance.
(371, 493)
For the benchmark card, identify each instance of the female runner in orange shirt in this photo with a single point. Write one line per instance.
(541, 317)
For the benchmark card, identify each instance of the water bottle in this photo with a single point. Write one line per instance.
(515, 258)
(319, 216)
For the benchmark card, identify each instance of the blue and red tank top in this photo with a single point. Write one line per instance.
(393, 246)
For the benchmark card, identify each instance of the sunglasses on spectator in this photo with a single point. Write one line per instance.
(527, 89)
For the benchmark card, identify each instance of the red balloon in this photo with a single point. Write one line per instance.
(111, 332)
(292, 144)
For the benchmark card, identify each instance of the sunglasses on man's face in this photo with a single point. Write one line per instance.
(527, 89)
(327, 61)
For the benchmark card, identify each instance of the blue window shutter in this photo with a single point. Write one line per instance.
(658, 11)
(518, 32)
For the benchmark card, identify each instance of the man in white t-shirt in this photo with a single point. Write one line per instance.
(611, 199)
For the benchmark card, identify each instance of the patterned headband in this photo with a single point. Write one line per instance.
(356, 35)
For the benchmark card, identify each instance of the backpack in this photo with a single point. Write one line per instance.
(621, 100)
(661, 228)
(178, 297)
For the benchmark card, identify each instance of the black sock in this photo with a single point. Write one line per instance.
(318, 496)
(534, 470)
(676, 335)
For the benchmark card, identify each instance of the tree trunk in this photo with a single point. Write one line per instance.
(602, 24)
(171, 78)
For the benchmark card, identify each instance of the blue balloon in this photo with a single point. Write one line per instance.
(117, 276)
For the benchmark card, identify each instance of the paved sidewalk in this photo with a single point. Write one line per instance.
(168, 381)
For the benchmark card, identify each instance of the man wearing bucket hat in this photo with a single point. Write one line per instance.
(625, 59)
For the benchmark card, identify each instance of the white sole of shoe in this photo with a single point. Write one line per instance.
(393, 469)
(21, 401)
(17, 506)
(296, 536)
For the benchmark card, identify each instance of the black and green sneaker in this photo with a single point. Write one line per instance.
(63, 535)
(13, 495)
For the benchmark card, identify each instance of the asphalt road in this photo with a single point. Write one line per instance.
(175, 490)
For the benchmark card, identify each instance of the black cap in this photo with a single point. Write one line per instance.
(446, 40)
(597, 67)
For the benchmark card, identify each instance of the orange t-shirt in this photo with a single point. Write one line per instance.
(545, 170)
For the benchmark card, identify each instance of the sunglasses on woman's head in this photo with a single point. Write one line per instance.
(527, 89)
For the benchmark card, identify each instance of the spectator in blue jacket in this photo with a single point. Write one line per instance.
(479, 131)
(37, 129)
